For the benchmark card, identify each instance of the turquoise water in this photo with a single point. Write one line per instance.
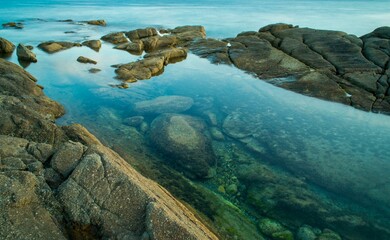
(292, 158)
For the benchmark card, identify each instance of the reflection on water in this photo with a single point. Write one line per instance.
(295, 165)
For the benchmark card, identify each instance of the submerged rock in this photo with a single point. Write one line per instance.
(94, 70)
(52, 47)
(25, 54)
(134, 121)
(6, 46)
(82, 59)
(164, 104)
(93, 44)
(181, 138)
(16, 25)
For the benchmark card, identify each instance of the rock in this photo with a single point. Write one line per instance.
(170, 55)
(82, 59)
(67, 158)
(180, 137)
(97, 22)
(6, 46)
(140, 70)
(52, 47)
(164, 104)
(216, 134)
(269, 226)
(136, 47)
(159, 42)
(326, 64)
(94, 70)
(16, 25)
(138, 34)
(134, 121)
(221, 189)
(189, 33)
(240, 124)
(24, 54)
(306, 233)
(115, 38)
(93, 44)
(232, 189)
(328, 235)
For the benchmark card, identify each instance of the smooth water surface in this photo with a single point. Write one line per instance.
(299, 160)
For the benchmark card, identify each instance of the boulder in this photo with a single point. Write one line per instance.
(158, 42)
(93, 44)
(82, 59)
(164, 104)
(115, 38)
(188, 33)
(135, 47)
(52, 47)
(138, 34)
(140, 70)
(170, 55)
(181, 138)
(24, 54)
(6, 46)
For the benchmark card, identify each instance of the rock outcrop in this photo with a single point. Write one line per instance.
(52, 47)
(330, 65)
(16, 25)
(63, 183)
(25, 54)
(181, 137)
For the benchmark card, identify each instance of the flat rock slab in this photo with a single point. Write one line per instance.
(164, 104)
(52, 47)
(82, 59)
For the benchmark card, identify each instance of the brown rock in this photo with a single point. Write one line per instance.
(115, 38)
(52, 47)
(97, 22)
(140, 70)
(82, 59)
(141, 33)
(24, 54)
(16, 25)
(93, 44)
(6, 46)
(170, 55)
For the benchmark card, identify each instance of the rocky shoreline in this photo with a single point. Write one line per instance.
(63, 183)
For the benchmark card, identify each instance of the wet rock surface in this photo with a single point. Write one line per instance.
(181, 137)
(63, 183)
(6, 46)
(25, 54)
(330, 65)
(93, 44)
(115, 38)
(52, 47)
(82, 59)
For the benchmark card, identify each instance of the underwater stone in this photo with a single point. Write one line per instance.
(134, 121)
(216, 134)
(164, 104)
(232, 189)
(306, 233)
(181, 138)
(270, 227)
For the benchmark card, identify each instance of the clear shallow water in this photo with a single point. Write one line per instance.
(318, 153)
